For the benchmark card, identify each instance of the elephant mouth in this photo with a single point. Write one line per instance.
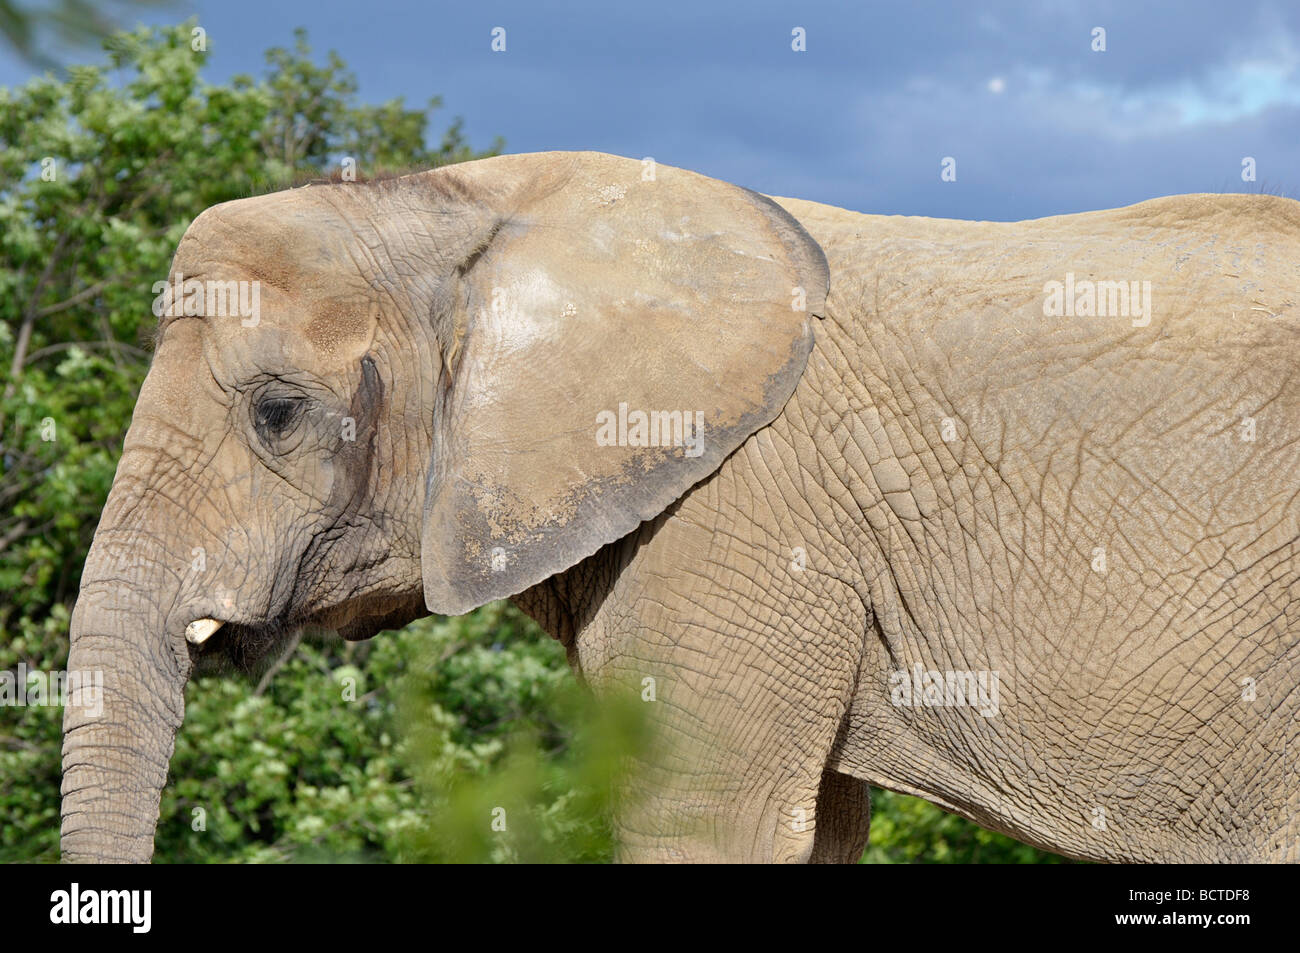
(241, 646)
(247, 647)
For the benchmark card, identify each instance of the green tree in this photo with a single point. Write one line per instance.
(405, 748)
(907, 830)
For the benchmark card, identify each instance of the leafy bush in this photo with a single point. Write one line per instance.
(907, 830)
(406, 748)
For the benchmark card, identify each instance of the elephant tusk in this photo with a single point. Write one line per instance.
(200, 630)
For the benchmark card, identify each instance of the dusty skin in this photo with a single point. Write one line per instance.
(923, 451)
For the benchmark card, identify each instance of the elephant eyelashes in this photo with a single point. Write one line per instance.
(274, 417)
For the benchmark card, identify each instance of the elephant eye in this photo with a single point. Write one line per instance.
(274, 417)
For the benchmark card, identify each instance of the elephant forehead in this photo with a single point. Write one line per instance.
(276, 236)
(316, 326)
(276, 277)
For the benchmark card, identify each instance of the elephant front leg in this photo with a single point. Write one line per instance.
(737, 773)
(844, 810)
(746, 689)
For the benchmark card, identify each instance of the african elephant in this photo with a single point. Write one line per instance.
(1004, 515)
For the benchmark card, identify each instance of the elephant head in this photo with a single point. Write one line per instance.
(435, 391)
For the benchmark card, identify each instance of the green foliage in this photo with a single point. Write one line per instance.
(400, 749)
(514, 761)
(907, 830)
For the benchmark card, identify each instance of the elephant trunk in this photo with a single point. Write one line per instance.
(125, 706)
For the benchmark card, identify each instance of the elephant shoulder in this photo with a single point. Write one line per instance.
(852, 241)
(1226, 215)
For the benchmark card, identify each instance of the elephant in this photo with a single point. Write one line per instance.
(998, 514)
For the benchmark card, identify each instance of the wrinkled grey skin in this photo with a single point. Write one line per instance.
(921, 468)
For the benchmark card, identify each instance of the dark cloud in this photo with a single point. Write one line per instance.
(1038, 123)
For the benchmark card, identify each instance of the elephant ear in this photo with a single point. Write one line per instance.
(614, 331)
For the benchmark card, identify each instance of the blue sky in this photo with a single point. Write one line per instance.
(1038, 122)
